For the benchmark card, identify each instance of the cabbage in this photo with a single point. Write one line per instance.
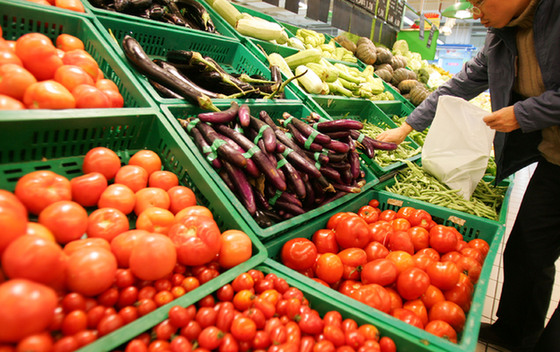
(400, 47)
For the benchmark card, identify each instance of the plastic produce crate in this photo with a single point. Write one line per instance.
(215, 181)
(364, 110)
(469, 226)
(19, 18)
(393, 107)
(156, 41)
(59, 143)
(222, 27)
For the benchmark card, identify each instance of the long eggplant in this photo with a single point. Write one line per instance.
(163, 91)
(142, 62)
(226, 151)
(268, 135)
(202, 145)
(223, 116)
(197, 13)
(242, 186)
(132, 6)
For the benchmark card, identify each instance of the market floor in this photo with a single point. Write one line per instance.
(496, 278)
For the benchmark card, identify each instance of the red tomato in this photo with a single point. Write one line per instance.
(91, 271)
(37, 189)
(67, 220)
(422, 261)
(373, 295)
(380, 232)
(368, 213)
(132, 176)
(432, 296)
(420, 218)
(156, 220)
(72, 5)
(180, 197)
(34, 258)
(102, 160)
(106, 84)
(153, 257)
(402, 260)
(123, 243)
(67, 42)
(36, 342)
(400, 224)
(335, 219)
(151, 197)
(107, 223)
(419, 308)
(73, 246)
(474, 253)
(36, 229)
(442, 329)
(400, 241)
(352, 231)
(471, 267)
(36, 300)
(9, 103)
(147, 159)
(449, 312)
(235, 249)
(197, 240)
(408, 317)
(329, 268)
(38, 55)
(481, 245)
(88, 96)
(353, 260)
(412, 283)
(9, 57)
(420, 237)
(461, 293)
(386, 344)
(210, 338)
(442, 239)
(299, 254)
(83, 59)
(387, 215)
(71, 76)
(325, 241)
(13, 218)
(375, 250)
(163, 179)
(396, 299)
(48, 94)
(14, 80)
(379, 271)
(87, 189)
(405, 212)
(119, 197)
(243, 328)
(116, 100)
(443, 275)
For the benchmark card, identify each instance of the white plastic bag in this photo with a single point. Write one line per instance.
(458, 145)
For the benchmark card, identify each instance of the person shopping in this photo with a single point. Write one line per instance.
(520, 65)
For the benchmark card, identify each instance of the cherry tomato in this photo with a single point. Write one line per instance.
(243, 328)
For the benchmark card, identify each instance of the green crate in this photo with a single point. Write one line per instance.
(156, 41)
(361, 109)
(215, 181)
(21, 18)
(502, 216)
(393, 107)
(222, 27)
(59, 143)
(469, 226)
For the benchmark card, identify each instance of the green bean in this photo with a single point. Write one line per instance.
(385, 158)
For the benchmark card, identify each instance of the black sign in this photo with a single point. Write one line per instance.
(318, 10)
(361, 22)
(398, 13)
(370, 6)
(342, 11)
(381, 9)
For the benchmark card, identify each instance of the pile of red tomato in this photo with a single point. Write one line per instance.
(399, 262)
(107, 247)
(72, 5)
(258, 312)
(36, 73)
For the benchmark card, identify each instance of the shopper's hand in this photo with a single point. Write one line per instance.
(502, 120)
(395, 135)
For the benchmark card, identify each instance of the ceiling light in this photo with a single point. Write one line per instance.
(460, 10)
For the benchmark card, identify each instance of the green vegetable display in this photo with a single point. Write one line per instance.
(416, 183)
(387, 157)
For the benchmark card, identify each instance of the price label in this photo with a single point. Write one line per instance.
(381, 9)
(431, 36)
(421, 31)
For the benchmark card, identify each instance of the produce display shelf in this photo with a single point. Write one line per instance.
(19, 18)
(157, 41)
(364, 110)
(469, 226)
(393, 107)
(223, 29)
(214, 180)
(40, 141)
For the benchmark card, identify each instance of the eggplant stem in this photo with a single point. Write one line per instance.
(241, 94)
(197, 58)
(248, 79)
(282, 86)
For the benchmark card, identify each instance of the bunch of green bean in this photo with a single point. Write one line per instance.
(387, 157)
(416, 183)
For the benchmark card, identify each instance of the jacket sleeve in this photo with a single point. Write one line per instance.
(467, 84)
(539, 112)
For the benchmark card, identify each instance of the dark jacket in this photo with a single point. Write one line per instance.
(494, 68)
